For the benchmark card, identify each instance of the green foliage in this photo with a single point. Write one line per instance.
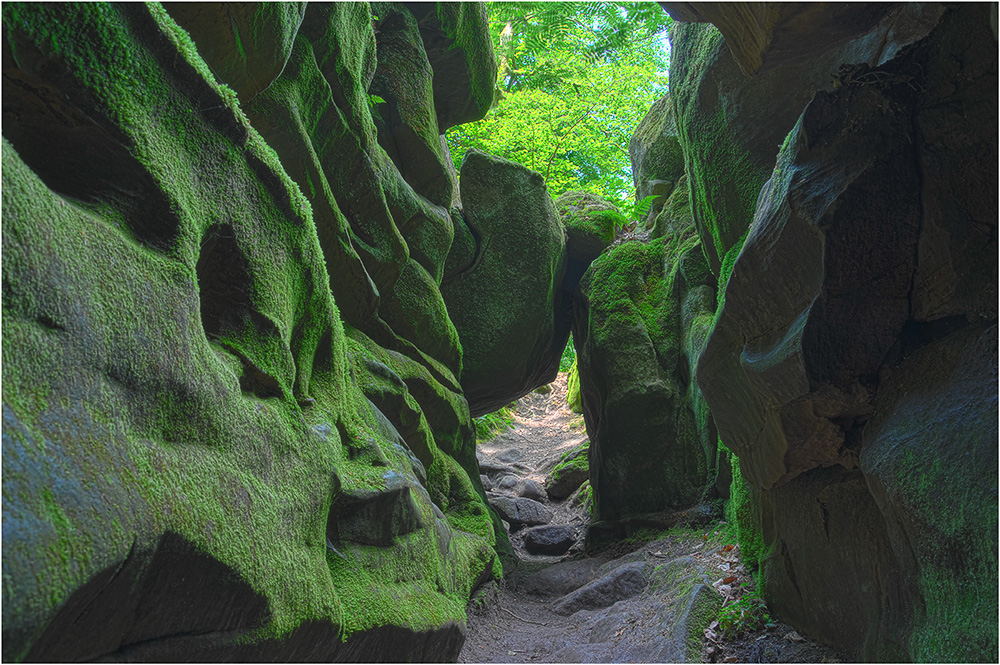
(490, 425)
(574, 81)
(747, 614)
(640, 209)
(743, 513)
(568, 356)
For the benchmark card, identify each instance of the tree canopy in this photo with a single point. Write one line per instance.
(574, 80)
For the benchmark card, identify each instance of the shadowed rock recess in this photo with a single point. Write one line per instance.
(248, 318)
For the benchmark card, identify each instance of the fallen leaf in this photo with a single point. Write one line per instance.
(794, 637)
(726, 548)
(729, 580)
(731, 659)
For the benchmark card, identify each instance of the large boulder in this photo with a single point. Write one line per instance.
(508, 307)
(200, 461)
(639, 327)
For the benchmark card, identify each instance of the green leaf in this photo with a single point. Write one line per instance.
(575, 80)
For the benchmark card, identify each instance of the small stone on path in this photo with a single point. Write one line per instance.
(510, 456)
(551, 539)
(520, 512)
(532, 489)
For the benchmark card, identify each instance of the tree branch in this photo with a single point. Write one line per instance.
(555, 150)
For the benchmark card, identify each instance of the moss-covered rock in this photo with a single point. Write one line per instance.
(674, 213)
(508, 307)
(656, 156)
(652, 440)
(570, 473)
(591, 223)
(247, 44)
(465, 68)
(407, 117)
(193, 446)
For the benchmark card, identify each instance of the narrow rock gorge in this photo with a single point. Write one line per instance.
(251, 309)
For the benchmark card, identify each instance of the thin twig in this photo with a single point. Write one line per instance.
(522, 619)
(568, 132)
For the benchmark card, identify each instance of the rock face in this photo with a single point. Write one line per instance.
(508, 303)
(730, 124)
(851, 222)
(234, 427)
(767, 34)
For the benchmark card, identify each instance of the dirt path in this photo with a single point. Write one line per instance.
(636, 602)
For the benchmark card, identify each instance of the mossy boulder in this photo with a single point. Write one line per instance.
(652, 440)
(591, 223)
(465, 68)
(247, 44)
(509, 307)
(569, 474)
(656, 156)
(199, 462)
